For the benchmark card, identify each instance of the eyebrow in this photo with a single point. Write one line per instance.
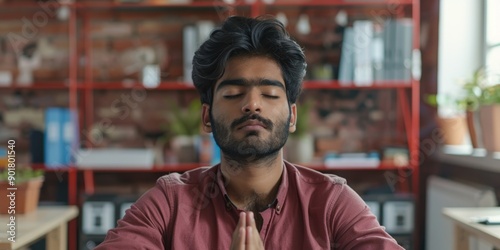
(245, 82)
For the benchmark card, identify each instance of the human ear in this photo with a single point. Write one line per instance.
(293, 118)
(205, 118)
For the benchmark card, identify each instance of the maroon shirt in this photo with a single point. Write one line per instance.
(192, 211)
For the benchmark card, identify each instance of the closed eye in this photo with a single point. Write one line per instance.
(232, 96)
(271, 96)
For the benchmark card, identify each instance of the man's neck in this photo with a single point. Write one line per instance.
(252, 185)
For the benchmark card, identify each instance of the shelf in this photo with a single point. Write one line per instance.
(382, 166)
(46, 169)
(320, 3)
(180, 85)
(50, 85)
(169, 85)
(181, 167)
(334, 84)
(310, 84)
(211, 4)
(107, 5)
(33, 4)
(467, 157)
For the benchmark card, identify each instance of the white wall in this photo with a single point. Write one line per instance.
(460, 50)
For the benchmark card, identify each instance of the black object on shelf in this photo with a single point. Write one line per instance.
(36, 146)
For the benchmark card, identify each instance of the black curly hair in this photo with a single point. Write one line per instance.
(261, 36)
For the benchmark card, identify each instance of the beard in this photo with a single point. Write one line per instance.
(252, 147)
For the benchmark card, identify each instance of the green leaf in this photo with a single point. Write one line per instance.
(21, 174)
(302, 120)
(186, 120)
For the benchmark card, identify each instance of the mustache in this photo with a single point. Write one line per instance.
(268, 123)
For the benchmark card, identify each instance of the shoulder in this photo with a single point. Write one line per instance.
(329, 189)
(192, 177)
(313, 177)
(189, 187)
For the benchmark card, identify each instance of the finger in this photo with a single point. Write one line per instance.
(238, 226)
(241, 229)
(252, 224)
(251, 220)
(238, 241)
(249, 234)
(253, 241)
(237, 234)
(241, 239)
(243, 221)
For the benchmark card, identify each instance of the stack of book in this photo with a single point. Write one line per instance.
(374, 52)
(352, 160)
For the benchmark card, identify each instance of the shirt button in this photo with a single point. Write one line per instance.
(278, 209)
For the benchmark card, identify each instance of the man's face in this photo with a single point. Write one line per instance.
(250, 116)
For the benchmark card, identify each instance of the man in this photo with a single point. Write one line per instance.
(249, 74)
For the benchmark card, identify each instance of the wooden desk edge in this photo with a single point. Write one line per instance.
(68, 215)
(471, 228)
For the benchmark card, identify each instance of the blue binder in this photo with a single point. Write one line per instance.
(53, 138)
(61, 137)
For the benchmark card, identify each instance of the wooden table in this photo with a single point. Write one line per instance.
(48, 221)
(464, 225)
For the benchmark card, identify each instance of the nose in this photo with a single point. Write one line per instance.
(252, 102)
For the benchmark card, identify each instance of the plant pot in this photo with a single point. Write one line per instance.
(300, 149)
(454, 129)
(489, 118)
(26, 196)
(473, 125)
(186, 148)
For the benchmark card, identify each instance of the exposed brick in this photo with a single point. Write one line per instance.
(175, 72)
(60, 42)
(100, 44)
(139, 15)
(55, 28)
(101, 15)
(10, 26)
(111, 29)
(45, 74)
(124, 44)
(159, 28)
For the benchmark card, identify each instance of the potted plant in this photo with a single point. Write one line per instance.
(483, 100)
(300, 144)
(470, 102)
(453, 125)
(184, 125)
(20, 188)
(464, 117)
(489, 117)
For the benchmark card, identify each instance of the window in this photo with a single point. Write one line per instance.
(492, 40)
(469, 39)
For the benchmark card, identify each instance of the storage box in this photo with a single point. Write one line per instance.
(98, 215)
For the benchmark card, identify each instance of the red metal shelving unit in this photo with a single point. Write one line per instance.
(80, 88)
(407, 92)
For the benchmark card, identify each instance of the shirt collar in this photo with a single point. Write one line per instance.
(277, 204)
